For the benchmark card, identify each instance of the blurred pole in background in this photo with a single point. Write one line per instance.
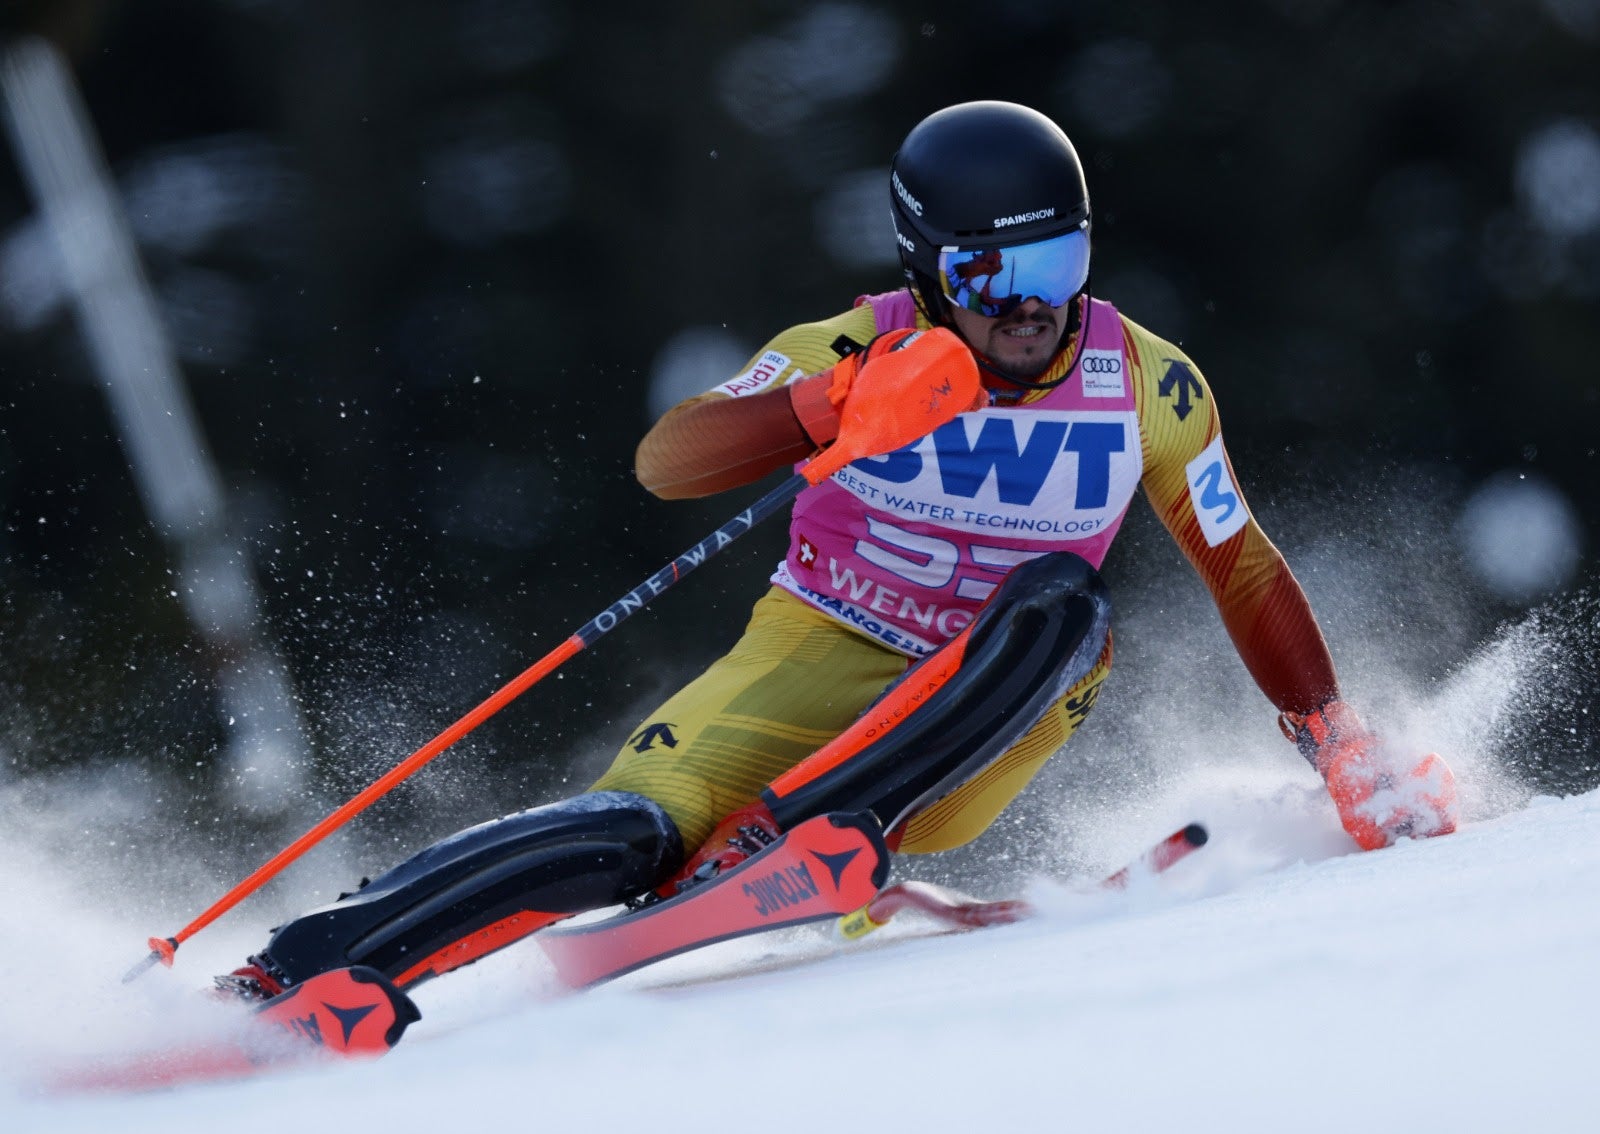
(61, 161)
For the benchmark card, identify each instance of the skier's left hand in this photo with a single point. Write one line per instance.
(1382, 795)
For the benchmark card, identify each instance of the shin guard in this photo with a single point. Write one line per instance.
(484, 888)
(1042, 632)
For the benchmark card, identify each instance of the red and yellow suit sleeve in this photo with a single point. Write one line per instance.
(1261, 603)
(723, 438)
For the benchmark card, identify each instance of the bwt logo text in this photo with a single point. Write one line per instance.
(1020, 470)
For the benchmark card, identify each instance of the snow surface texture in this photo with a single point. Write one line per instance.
(1278, 979)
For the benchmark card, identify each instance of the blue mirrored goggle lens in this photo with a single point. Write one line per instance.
(995, 281)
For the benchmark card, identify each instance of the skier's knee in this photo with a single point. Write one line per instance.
(1060, 591)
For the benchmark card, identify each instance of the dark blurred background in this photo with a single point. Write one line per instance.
(430, 270)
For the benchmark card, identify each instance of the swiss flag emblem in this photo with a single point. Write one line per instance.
(808, 553)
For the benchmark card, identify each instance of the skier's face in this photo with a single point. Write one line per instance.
(1022, 342)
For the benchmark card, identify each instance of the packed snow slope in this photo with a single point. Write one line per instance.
(1277, 980)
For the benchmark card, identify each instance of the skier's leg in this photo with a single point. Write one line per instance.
(968, 811)
(1041, 634)
(962, 712)
(482, 889)
(793, 681)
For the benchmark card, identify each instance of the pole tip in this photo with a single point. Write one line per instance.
(162, 950)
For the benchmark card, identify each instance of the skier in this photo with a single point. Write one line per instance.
(974, 546)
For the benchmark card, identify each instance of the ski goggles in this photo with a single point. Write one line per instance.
(996, 281)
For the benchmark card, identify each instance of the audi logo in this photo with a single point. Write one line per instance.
(1102, 366)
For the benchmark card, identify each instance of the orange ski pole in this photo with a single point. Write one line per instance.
(163, 948)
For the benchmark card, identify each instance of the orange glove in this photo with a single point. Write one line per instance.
(1381, 794)
(902, 387)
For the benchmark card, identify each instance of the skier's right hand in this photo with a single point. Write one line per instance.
(1382, 795)
(902, 387)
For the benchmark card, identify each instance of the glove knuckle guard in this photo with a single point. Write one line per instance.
(902, 387)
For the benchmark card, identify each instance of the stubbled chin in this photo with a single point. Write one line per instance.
(1026, 358)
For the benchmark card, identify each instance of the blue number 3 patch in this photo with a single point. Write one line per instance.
(1218, 506)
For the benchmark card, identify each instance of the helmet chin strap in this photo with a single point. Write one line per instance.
(1081, 313)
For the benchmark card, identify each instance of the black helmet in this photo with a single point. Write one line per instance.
(981, 175)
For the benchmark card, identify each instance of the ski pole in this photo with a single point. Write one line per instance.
(163, 948)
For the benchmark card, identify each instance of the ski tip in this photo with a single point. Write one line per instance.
(1195, 835)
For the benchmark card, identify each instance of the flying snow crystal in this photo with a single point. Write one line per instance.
(1520, 535)
(691, 362)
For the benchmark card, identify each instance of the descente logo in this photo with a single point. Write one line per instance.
(1024, 218)
(905, 194)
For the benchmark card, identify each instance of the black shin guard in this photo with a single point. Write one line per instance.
(593, 850)
(1039, 635)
